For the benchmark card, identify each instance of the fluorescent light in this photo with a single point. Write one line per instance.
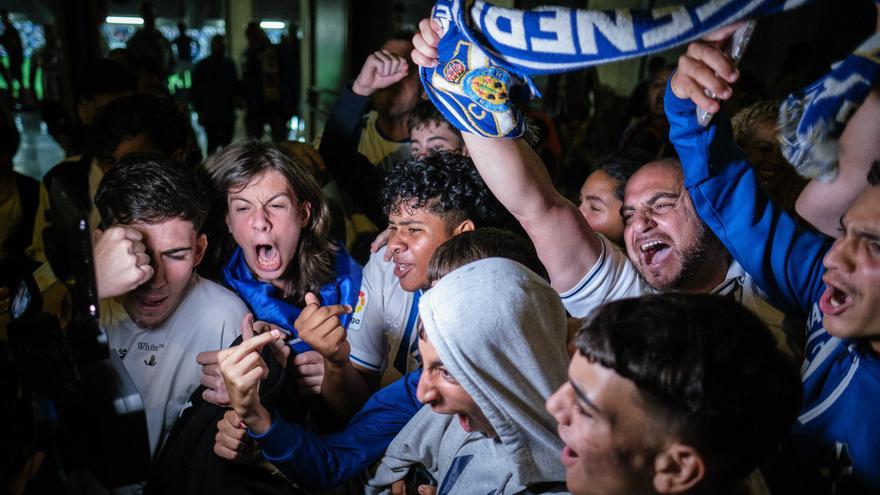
(273, 24)
(118, 19)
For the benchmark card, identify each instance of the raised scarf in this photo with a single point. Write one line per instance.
(487, 53)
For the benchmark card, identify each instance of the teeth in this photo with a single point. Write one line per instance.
(837, 300)
(648, 245)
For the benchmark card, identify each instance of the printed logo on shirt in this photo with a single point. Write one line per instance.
(358, 315)
(151, 361)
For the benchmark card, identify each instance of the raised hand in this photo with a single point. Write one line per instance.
(425, 43)
(380, 70)
(242, 368)
(319, 326)
(121, 261)
(215, 388)
(706, 66)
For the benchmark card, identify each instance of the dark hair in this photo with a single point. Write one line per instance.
(874, 173)
(425, 113)
(106, 76)
(149, 188)
(233, 167)
(488, 242)
(621, 165)
(708, 367)
(158, 118)
(446, 184)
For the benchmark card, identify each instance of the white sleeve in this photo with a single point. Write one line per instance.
(366, 332)
(612, 277)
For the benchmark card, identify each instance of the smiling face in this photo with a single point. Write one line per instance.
(601, 207)
(439, 389)
(414, 235)
(433, 136)
(174, 249)
(266, 220)
(610, 440)
(665, 239)
(851, 301)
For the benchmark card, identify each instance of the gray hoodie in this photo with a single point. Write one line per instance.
(500, 330)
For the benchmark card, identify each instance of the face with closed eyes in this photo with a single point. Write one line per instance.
(174, 249)
(665, 239)
(266, 219)
(600, 205)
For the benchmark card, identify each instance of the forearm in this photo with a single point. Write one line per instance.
(344, 389)
(784, 259)
(822, 204)
(355, 175)
(518, 178)
(318, 462)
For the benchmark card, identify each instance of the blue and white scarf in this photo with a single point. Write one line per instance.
(262, 298)
(486, 53)
(811, 120)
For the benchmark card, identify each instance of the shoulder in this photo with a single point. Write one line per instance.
(214, 301)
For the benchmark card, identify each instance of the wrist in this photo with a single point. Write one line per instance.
(360, 89)
(257, 421)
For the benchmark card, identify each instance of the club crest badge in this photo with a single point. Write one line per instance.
(454, 70)
(488, 87)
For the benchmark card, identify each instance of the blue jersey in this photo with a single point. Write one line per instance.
(320, 462)
(837, 435)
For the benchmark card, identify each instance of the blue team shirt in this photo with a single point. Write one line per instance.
(837, 433)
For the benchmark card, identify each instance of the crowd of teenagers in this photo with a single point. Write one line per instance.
(408, 308)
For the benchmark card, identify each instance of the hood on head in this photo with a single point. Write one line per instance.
(501, 331)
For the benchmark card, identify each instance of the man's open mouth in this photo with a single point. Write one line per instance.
(151, 301)
(654, 252)
(401, 269)
(834, 300)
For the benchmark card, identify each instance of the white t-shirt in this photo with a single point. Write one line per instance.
(614, 277)
(382, 330)
(162, 360)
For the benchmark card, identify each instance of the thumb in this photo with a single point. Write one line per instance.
(312, 299)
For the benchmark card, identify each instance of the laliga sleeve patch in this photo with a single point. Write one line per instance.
(358, 316)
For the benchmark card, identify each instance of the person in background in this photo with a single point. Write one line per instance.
(214, 93)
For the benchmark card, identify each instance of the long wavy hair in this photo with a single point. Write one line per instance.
(233, 167)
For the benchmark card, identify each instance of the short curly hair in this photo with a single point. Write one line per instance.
(746, 120)
(445, 184)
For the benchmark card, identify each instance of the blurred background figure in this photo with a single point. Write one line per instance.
(215, 88)
(754, 128)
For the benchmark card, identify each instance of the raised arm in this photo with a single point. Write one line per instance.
(515, 174)
(355, 175)
(784, 259)
(822, 204)
(565, 243)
